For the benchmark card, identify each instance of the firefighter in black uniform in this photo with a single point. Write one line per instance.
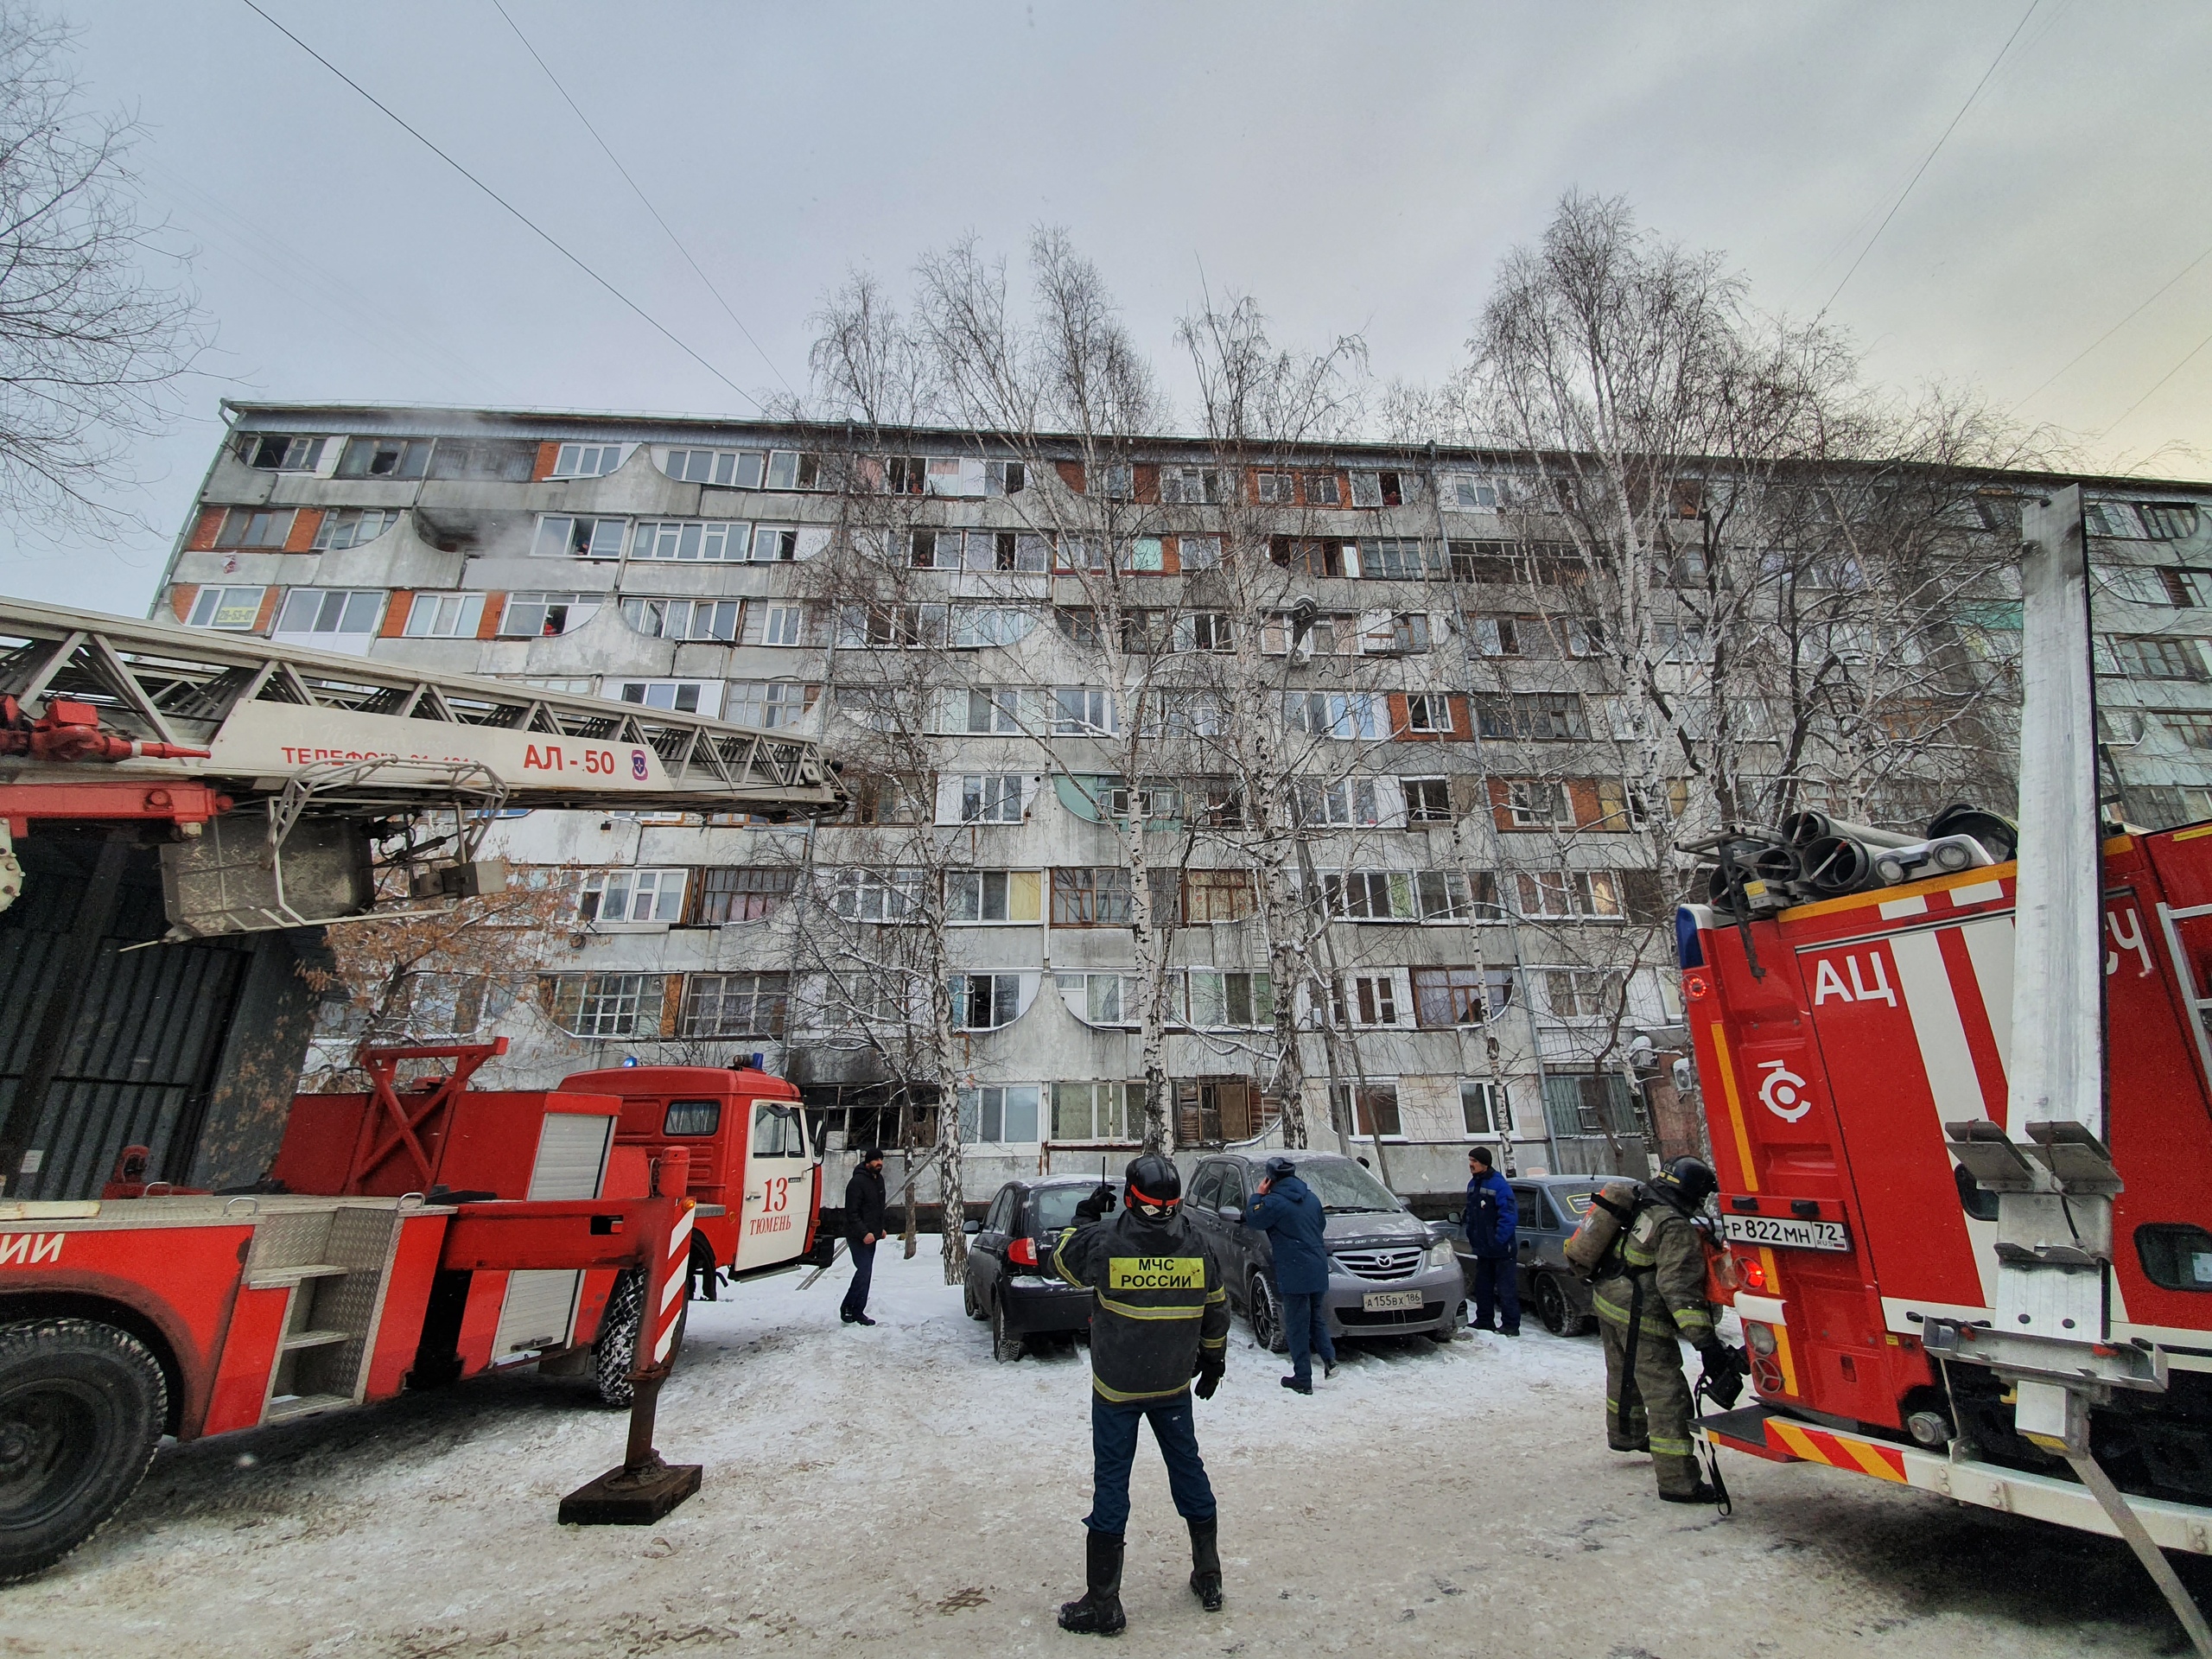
(1159, 1316)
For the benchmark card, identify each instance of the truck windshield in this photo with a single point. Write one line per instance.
(1343, 1187)
(1054, 1206)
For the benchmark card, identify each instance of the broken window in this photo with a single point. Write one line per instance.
(740, 894)
(352, 526)
(1429, 712)
(504, 460)
(1395, 635)
(1428, 800)
(583, 460)
(384, 458)
(1308, 558)
(1538, 803)
(280, 452)
(986, 1001)
(232, 610)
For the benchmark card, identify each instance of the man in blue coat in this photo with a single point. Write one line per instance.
(1491, 1220)
(1286, 1210)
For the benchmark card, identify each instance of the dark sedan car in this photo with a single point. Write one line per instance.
(1010, 1279)
(1390, 1274)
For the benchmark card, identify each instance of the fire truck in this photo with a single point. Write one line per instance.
(405, 1235)
(1959, 1101)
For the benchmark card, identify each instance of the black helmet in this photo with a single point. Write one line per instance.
(1155, 1186)
(1689, 1182)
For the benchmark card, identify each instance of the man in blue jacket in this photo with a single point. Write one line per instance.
(1491, 1220)
(1286, 1210)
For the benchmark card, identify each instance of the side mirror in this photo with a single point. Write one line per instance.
(1229, 1212)
(971, 1228)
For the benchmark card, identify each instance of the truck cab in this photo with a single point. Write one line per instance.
(754, 1170)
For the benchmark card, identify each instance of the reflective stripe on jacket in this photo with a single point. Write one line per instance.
(1661, 1246)
(1157, 1301)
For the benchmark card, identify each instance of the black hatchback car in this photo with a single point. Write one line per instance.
(1010, 1279)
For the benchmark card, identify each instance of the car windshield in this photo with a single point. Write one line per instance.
(1344, 1188)
(1054, 1206)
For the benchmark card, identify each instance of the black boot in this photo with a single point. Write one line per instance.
(1099, 1612)
(1206, 1566)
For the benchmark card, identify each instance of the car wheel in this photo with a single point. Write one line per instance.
(1450, 1326)
(1006, 1345)
(969, 1305)
(82, 1406)
(1266, 1316)
(1551, 1305)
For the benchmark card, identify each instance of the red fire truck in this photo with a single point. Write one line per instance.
(1969, 1247)
(411, 1234)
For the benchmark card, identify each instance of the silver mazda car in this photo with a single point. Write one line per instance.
(1390, 1273)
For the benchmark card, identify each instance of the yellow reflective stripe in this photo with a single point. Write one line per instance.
(1213, 1342)
(1122, 1399)
(1060, 1263)
(1218, 1294)
(1667, 1448)
(1131, 1311)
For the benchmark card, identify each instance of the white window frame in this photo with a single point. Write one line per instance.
(722, 469)
(587, 460)
(576, 610)
(988, 1107)
(723, 541)
(352, 519)
(557, 534)
(702, 697)
(210, 604)
(1497, 1109)
(1471, 492)
(991, 797)
(1423, 710)
(865, 894)
(445, 616)
(657, 889)
(971, 897)
(363, 605)
(697, 620)
(1112, 1004)
(1007, 996)
(1084, 711)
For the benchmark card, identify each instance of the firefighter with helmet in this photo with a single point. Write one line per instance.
(1159, 1316)
(1649, 1291)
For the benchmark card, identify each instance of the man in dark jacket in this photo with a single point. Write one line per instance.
(863, 1229)
(1159, 1317)
(1493, 1220)
(1286, 1209)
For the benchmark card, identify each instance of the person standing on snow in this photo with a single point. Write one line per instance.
(863, 1229)
(1159, 1316)
(1493, 1220)
(1286, 1210)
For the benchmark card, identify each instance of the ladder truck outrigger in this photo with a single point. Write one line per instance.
(1959, 1101)
(418, 1231)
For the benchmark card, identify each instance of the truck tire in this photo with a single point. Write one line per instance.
(82, 1407)
(614, 1355)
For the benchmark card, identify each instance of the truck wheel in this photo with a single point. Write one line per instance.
(82, 1406)
(614, 1355)
(1266, 1317)
(1551, 1305)
(1006, 1345)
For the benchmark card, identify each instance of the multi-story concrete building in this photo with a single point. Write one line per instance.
(1407, 727)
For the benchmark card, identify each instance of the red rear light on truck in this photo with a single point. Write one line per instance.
(1022, 1252)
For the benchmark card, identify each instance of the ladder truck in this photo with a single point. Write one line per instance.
(409, 1234)
(1962, 1114)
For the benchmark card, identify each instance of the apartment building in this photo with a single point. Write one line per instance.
(1189, 778)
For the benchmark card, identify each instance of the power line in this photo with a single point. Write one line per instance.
(2188, 358)
(543, 234)
(639, 192)
(1932, 154)
(2121, 324)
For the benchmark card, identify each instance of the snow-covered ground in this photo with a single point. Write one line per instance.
(892, 1488)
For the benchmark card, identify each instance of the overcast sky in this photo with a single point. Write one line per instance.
(1358, 169)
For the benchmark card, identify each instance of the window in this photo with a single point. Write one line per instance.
(934, 550)
(1200, 552)
(1532, 716)
(1580, 993)
(1099, 999)
(2169, 521)
(776, 625)
(1083, 711)
(1190, 485)
(736, 893)
(1428, 800)
(1584, 895)
(586, 459)
(770, 704)
(563, 536)
(1680, 642)
(1589, 1103)
(1367, 998)
(1401, 635)
(1370, 895)
(1493, 636)
(1145, 553)
(904, 628)
(1444, 896)
(1484, 1110)
(1217, 896)
(779, 543)
(886, 798)
(384, 458)
(236, 609)
(1321, 490)
(1201, 631)
(859, 895)
(990, 797)
(982, 710)
(255, 527)
(977, 626)
(1006, 477)
(685, 618)
(673, 696)
(1342, 714)
(1323, 559)
(1096, 1111)
(1469, 493)
(1534, 803)
(1344, 803)
(1383, 489)
(1444, 997)
(791, 470)
(1220, 803)
(991, 896)
(1277, 489)
(2175, 1255)
(606, 1005)
(2195, 730)
(727, 541)
(1238, 1001)
(727, 469)
(547, 614)
(1002, 1113)
(2186, 588)
(2158, 659)
(278, 452)
(1152, 800)
(1398, 558)
(618, 897)
(316, 613)
(1095, 896)
(506, 460)
(1114, 480)
(1365, 1109)
(351, 527)
(985, 1001)
(1428, 711)
(735, 1005)
(690, 1117)
(445, 616)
